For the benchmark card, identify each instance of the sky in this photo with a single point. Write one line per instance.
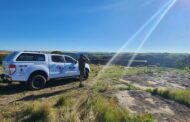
(92, 25)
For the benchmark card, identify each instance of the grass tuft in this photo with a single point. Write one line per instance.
(101, 86)
(61, 101)
(38, 112)
(106, 110)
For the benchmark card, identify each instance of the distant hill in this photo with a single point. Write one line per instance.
(149, 59)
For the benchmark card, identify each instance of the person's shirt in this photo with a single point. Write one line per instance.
(82, 60)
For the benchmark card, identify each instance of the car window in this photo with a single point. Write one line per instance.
(10, 56)
(31, 57)
(58, 59)
(69, 60)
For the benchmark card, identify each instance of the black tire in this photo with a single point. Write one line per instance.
(37, 82)
(86, 75)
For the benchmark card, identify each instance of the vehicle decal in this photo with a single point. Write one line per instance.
(22, 65)
(60, 68)
(72, 68)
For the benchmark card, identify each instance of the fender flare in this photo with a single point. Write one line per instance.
(41, 72)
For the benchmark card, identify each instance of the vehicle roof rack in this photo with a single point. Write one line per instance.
(46, 52)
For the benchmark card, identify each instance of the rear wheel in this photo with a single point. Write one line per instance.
(37, 82)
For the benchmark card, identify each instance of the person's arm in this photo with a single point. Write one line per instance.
(87, 59)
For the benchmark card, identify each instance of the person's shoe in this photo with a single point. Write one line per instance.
(81, 85)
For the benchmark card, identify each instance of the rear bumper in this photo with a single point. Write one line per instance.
(5, 78)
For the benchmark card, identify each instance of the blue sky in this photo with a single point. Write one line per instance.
(91, 25)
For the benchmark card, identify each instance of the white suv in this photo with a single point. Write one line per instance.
(36, 68)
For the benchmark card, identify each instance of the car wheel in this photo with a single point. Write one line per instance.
(37, 82)
(86, 74)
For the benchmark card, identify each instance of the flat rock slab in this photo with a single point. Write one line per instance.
(137, 101)
(158, 81)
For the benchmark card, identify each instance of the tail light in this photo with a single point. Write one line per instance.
(12, 69)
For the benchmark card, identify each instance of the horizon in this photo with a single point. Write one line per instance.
(74, 51)
(94, 26)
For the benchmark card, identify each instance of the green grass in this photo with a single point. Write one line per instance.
(118, 71)
(186, 69)
(111, 71)
(179, 95)
(107, 111)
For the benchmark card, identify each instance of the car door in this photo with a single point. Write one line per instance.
(57, 66)
(71, 66)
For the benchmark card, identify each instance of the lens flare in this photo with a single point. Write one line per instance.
(159, 15)
(157, 22)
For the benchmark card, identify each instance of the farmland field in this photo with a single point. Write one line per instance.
(118, 94)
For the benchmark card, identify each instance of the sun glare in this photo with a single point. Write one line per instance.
(155, 19)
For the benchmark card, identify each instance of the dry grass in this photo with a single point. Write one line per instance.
(60, 103)
(38, 112)
(101, 86)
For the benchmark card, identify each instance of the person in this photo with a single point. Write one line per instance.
(82, 60)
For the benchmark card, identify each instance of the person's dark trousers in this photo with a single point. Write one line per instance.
(81, 77)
